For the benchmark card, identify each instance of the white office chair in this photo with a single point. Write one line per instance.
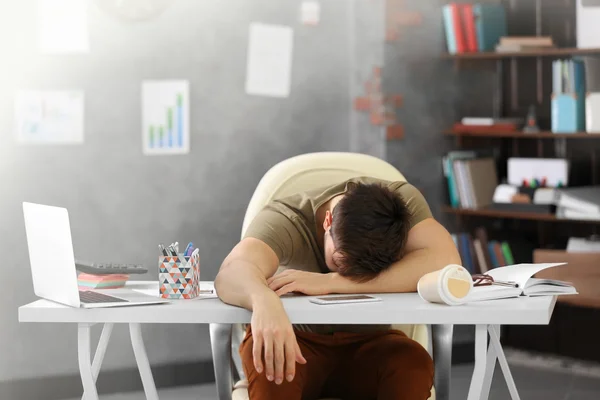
(295, 175)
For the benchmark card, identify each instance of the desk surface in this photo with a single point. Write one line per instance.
(404, 308)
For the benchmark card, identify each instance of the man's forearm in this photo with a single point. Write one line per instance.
(402, 276)
(242, 285)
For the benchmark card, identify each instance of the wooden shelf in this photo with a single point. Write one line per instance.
(521, 135)
(492, 55)
(490, 213)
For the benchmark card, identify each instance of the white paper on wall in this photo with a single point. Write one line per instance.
(269, 62)
(62, 26)
(49, 117)
(310, 12)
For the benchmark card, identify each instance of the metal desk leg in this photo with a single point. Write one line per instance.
(490, 366)
(495, 343)
(220, 341)
(478, 381)
(100, 352)
(141, 358)
(85, 362)
(442, 358)
(485, 362)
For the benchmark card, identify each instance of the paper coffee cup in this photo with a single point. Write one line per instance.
(450, 285)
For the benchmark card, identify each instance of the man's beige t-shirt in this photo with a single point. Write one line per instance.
(289, 227)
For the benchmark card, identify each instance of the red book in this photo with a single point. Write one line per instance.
(469, 27)
(503, 127)
(459, 30)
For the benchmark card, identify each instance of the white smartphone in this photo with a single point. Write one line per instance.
(353, 298)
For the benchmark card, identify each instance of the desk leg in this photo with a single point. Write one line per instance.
(490, 366)
(100, 352)
(495, 344)
(441, 336)
(141, 358)
(480, 378)
(85, 362)
(220, 341)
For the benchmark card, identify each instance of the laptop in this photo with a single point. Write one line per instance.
(53, 263)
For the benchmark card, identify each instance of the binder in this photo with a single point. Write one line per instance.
(490, 24)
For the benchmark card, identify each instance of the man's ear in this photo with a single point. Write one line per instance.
(327, 221)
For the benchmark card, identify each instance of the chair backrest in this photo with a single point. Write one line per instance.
(313, 170)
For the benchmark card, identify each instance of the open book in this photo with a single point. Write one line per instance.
(522, 275)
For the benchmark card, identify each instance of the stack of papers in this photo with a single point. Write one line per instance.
(579, 203)
(111, 281)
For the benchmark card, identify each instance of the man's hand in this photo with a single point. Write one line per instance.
(273, 332)
(310, 283)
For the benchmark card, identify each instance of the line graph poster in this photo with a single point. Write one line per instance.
(165, 117)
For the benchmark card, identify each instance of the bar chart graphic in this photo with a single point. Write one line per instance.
(165, 117)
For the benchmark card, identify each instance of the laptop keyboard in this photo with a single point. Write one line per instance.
(93, 297)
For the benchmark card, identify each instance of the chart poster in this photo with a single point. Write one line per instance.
(165, 117)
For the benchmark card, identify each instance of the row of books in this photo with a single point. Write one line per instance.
(515, 44)
(473, 27)
(471, 178)
(478, 254)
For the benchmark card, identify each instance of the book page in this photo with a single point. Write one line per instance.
(519, 273)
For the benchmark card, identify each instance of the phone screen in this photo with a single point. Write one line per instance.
(338, 298)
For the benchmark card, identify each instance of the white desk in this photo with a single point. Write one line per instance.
(405, 308)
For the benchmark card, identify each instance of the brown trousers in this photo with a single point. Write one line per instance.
(384, 365)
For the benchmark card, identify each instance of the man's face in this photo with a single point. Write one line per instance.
(329, 246)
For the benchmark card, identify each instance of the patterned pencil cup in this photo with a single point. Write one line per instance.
(179, 276)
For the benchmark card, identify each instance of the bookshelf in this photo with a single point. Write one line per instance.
(521, 79)
(531, 216)
(521, 135)
(492, 55)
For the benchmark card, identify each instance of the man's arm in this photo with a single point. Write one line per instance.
(242, 281)
(429, 248)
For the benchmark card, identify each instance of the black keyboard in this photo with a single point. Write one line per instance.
(93, 297)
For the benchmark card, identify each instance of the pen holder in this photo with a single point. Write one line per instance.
(179, 276)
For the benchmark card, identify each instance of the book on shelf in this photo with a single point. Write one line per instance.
(583, 245)
(526, 285)
(489, 121)
(479, 255)
(524, 43)
(473, 27)
(579, 203)
(494, 128)
(471, 179)
(542, 41)
(585, 199)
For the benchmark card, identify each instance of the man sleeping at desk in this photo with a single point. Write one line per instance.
(362, 235)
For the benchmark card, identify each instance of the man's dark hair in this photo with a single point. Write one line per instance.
(369, 231)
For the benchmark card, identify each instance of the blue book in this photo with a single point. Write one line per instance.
(580, 88)
(490, 25)
(495, 262)
(449, 27)
(449, 173)
(465, 252)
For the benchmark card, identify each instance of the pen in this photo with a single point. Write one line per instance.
(163, 250)
(188, 249)
(505, 283)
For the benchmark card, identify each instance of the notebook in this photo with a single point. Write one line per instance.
(522, 275)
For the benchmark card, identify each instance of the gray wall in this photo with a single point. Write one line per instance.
(116, 199)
